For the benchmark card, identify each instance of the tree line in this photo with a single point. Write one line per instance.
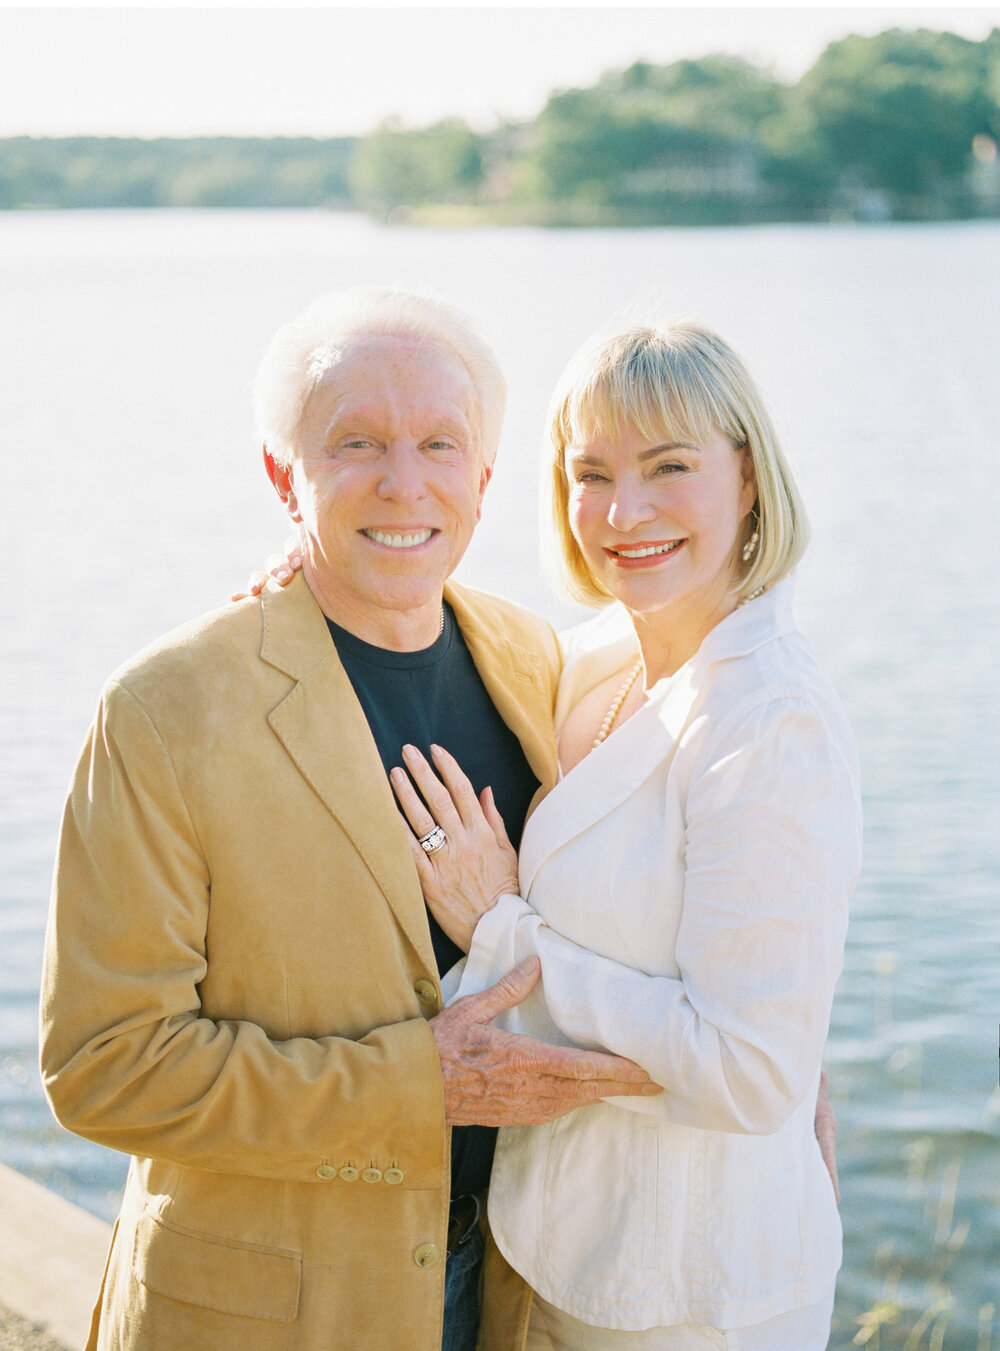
(903, 125)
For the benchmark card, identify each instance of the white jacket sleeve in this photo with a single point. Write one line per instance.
(772, 853)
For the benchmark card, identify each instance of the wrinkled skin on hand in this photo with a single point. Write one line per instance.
(496, 1078)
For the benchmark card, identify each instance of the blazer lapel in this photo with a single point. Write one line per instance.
(514, 678)
(322, 727)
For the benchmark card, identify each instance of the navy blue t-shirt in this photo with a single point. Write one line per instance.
(436, 695)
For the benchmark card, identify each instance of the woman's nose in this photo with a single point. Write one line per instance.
(630, 507)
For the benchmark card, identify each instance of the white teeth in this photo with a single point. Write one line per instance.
(653, 549)
(409, 541)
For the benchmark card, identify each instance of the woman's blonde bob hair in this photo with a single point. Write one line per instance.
(676, 380)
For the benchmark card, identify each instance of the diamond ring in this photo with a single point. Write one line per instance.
(434, 840)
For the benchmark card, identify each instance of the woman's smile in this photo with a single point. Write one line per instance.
(644, 555)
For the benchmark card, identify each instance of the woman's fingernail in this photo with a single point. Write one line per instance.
(282, 574)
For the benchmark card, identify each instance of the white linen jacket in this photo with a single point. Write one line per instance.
(686, 888)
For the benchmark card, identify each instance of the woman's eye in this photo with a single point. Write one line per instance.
(669, 467)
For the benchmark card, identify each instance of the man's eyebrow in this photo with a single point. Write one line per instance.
(361, 420)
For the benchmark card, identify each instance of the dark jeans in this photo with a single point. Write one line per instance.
(461, 1295)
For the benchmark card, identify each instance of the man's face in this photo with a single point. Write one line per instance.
(388, 483)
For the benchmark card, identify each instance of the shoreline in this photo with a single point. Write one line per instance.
(52, 1257)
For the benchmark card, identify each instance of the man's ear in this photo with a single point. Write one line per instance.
(281, 477)
(484, 479)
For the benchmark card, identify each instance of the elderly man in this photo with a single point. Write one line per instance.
(241, 985)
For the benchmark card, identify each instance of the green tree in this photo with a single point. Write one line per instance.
(653, 134)
(898, 111)
(89, 171)
(394, 167)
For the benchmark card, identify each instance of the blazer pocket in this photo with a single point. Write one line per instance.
(221, 1274)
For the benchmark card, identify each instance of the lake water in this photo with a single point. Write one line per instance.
(133, 498)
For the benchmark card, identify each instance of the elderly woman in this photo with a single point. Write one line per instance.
(685, 885)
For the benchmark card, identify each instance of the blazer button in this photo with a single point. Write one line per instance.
(372, 1175)
(349, 1173)
(426, 992)
(426, 1255)
(326, 1171)
(393, 1176)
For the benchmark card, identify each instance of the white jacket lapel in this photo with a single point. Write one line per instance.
(611, 773)
(607, 776)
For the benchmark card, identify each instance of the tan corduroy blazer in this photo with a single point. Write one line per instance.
(237, 980)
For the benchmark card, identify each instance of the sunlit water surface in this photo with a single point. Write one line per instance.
(133, 499)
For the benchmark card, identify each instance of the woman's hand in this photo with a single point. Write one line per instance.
(282, 567)
(477, 863)
(825, 1126)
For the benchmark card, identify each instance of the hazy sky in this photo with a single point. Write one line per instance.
(335, 71)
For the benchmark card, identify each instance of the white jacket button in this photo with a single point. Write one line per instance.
(426, 1255)
(326, 1171)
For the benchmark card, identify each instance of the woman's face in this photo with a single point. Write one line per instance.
(658, 521)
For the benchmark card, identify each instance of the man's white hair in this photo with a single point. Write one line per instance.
(303, 351)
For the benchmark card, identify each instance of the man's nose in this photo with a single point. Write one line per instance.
(631, 506)
(403, 476)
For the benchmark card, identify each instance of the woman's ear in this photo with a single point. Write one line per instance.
(748, 494)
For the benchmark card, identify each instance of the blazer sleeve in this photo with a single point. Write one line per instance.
(772, 854)
(129, 1060)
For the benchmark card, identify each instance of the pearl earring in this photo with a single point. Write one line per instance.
(750, 548)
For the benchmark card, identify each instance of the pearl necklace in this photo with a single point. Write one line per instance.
(616, 703)
(604, 731)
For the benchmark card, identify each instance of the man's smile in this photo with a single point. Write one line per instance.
(409, 539)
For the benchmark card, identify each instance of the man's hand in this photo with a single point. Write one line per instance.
(495, 1078)
(825, 1126)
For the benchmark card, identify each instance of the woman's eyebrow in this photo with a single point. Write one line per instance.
(584, 457)
(667, 446)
